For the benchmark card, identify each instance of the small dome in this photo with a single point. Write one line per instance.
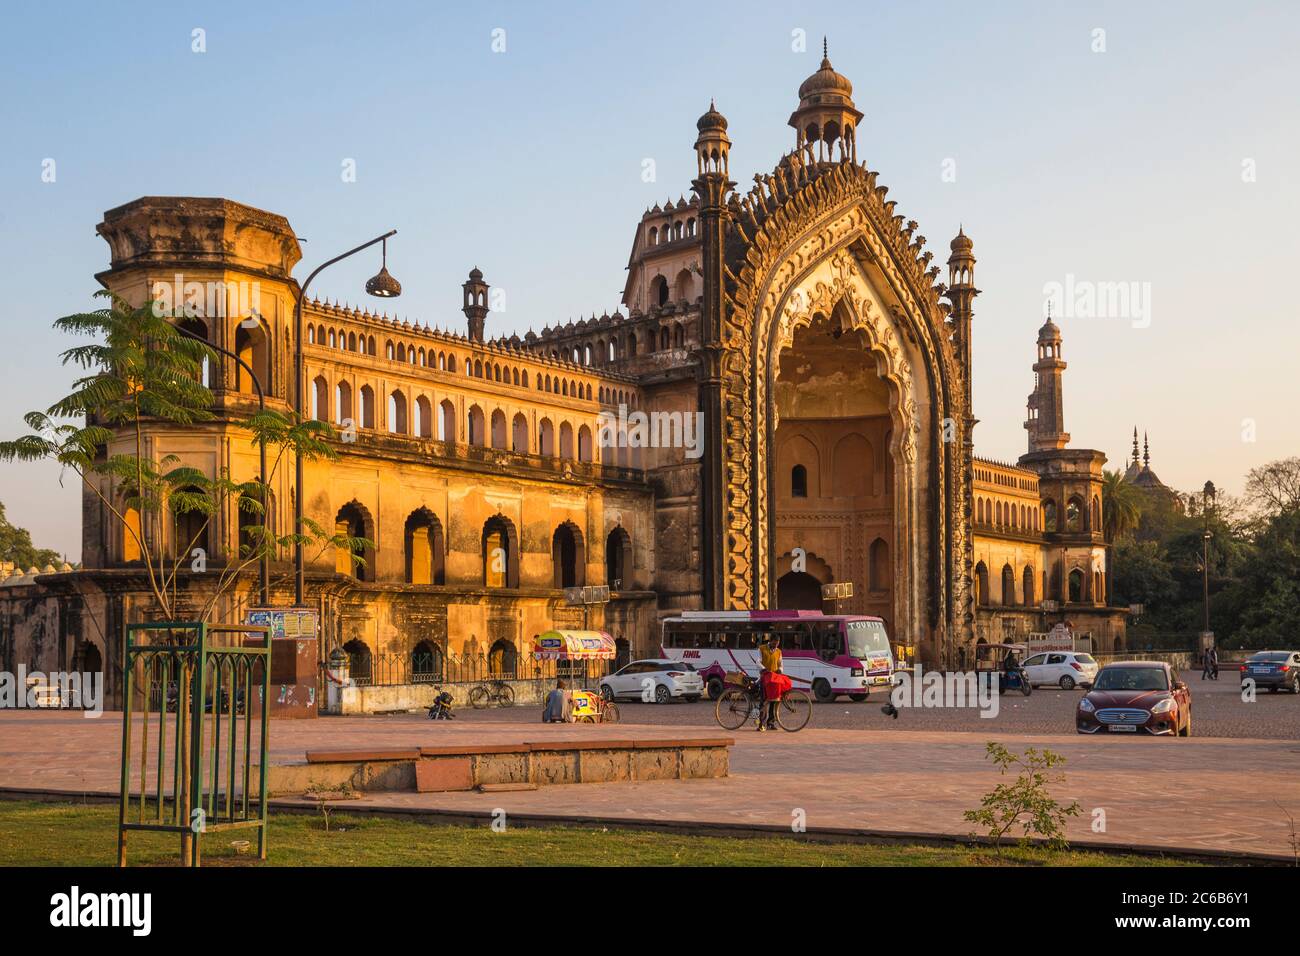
(475, 274)
(712, 120)
(1050, 332)
(825, 80)
(961, 243)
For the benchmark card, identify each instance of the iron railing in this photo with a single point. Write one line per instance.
(384, 670)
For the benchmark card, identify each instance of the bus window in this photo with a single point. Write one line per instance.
(829, 642)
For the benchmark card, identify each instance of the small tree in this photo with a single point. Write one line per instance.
(1026, 802)
(140, 371)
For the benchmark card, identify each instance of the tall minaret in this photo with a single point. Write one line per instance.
(712, 148)
(961, 293)
(476, 303)
(1046, 422)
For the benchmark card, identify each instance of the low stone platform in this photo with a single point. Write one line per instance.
(530, 763)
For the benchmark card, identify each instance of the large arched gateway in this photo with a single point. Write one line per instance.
(836, 383)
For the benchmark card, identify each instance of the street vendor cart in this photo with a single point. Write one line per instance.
(580, 647)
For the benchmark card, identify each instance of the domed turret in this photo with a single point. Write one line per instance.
(712, 147)
(826, 115)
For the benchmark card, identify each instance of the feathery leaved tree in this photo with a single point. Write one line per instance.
(139, 372)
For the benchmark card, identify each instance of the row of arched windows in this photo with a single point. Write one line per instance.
(1006, 514)
(340, 339)
(425, 556)
(1081, 587)
(603, 351)
(670, 231)
(421, 420)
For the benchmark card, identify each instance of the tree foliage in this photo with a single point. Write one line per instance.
(139, 371)
(16, 546)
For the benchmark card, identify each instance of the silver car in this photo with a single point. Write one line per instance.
(1276, 670)
(654, 680)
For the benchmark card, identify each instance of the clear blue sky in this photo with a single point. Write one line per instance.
(1124, 165)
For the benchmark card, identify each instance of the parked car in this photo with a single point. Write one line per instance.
(1066, 669)
(1274, 670)
(660, 680)
(1136, 697)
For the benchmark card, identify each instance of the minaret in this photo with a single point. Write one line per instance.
(476, 307)
(961, 293)
(1046, 422)
(712, 148)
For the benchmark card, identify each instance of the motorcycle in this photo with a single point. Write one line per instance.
(440, 709)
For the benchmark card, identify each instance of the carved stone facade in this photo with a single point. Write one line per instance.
(805, 376)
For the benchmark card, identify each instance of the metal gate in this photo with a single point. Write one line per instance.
(204, 690)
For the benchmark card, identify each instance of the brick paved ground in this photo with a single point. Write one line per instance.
(1205, 794)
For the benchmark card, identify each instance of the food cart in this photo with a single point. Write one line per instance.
(573, 646)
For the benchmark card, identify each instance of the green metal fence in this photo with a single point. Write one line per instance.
(196, 698)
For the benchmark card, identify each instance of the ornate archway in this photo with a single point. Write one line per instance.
(817, 242)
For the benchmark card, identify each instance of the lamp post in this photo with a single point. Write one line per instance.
(264, 570)
(381, 285)
(1207, 502)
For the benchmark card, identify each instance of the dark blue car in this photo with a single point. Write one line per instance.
(1276, 670)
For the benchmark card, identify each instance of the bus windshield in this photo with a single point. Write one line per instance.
(866, 638)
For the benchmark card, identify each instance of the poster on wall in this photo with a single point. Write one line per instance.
(286, 622)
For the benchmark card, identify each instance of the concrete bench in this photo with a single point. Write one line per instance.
(495, 765)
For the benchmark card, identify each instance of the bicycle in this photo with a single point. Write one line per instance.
(604, 711)
(491, 692)
(740, 704)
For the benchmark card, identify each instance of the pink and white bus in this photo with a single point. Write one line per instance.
(828, 654)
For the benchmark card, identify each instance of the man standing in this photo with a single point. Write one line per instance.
(770, 680)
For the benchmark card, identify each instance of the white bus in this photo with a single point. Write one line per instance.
(827, 654)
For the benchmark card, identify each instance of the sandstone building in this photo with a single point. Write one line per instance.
(805, 373)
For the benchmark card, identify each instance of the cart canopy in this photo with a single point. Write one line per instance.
(574, 646)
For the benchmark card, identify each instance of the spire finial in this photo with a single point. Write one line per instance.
(1146, 451)
(825, 54)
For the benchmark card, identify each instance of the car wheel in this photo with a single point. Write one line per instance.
(1187, 728)
(1067, 682)
(606, 691)
(821, 689)
(691, 698)
(857, 698)
(1295, 685)
(662, 694)
(715, 688)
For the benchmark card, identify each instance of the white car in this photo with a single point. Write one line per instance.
(1066, 669)
(654, 680)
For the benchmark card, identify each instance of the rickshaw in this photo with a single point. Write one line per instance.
(988, 660)
(589, 706)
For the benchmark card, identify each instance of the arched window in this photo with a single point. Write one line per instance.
(427, 663)
(476, 433)
(546, 438)
(503, 659)
(1049, 516)
(618, 559)
(360, 664)
(500, 553)
(353, 521)
(499, 437)
(342, 403)
(1027, 588)
(131, 535)
(397, 423)
(320, 399)
(446, 421)
(878, 571)
(423, 542)
(982, 584)
(584, 443)
(1076, 586)
(423, 417)
(519, 434)
(252, 346)
(209, 372)
(1008, 586)
(367, 407)
(189, 521)
(631, 345)
(798, 482)
(568, 556)
(566, 440)
(1074, 515)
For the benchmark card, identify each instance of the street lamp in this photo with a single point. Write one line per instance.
(1207, 503)
(264, 570)
(382, 285)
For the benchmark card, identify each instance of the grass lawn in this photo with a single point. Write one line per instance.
(69, 834)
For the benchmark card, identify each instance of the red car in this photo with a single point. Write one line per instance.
(1136, 697)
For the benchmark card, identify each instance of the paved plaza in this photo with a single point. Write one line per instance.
(1204, 794)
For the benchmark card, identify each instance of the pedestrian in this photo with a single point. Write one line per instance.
(1205, 664)
(772, 682)
(1214, 663)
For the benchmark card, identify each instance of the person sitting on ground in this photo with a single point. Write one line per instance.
(559, 705)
